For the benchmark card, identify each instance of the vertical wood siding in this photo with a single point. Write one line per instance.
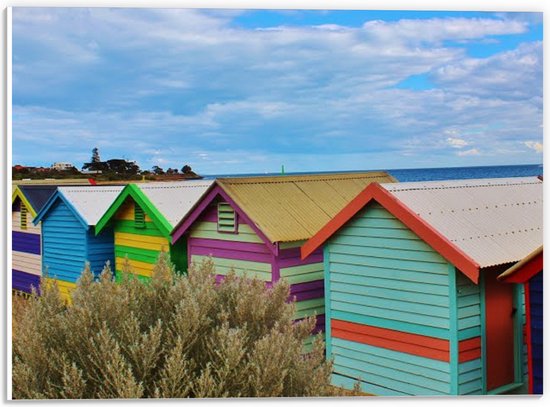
(383, 276)
(64, 244)
(536, 308)
(470, 373)
(524, 349)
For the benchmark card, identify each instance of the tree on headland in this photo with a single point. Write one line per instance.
(157, 170)
(186, 169)
(95, 155)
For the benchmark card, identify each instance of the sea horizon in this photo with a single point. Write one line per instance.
(423, 174)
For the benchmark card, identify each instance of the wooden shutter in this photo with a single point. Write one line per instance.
(227, 218)
(23, 218)
(139, 217)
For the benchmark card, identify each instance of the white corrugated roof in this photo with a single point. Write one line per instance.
(494, 221)
(175, 199)
(91, 202)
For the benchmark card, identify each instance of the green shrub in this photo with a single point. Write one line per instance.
(172, 337)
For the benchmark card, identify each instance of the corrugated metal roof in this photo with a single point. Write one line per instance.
(91, 202)
(292, 208)
(38, 195)
(174, 199)
(494, 221)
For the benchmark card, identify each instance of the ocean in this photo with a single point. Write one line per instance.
(434, 174)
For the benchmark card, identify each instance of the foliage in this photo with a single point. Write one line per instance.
(157, 170)
(174, 336)
(95, 155)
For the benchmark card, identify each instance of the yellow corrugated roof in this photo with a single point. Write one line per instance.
(288, 208)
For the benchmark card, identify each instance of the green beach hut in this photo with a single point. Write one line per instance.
(143, 216)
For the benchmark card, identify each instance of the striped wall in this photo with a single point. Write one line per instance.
(26, 252)
(247, 254)
(306, 280)
(141, 246)
(388, 308)
(65, 287)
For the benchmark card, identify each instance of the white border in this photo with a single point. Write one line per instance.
(446, 5)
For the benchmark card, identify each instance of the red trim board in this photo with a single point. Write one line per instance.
(375, 192)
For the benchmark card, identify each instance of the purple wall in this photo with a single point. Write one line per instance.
(23, 281)
(25, 242)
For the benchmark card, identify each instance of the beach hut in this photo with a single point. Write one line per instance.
(26, 201)
(256, 225)
(414, 306)
(143, 216)
(68, 239)
(529, 273)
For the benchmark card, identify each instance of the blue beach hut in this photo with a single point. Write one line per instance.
(68, 238)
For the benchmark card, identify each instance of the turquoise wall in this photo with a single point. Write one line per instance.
(381, 274)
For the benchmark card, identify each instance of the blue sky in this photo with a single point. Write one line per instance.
(229, 91)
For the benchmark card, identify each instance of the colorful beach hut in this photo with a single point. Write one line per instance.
(256, 225)
(529, 273)
(143, 216)
(68, 239)
(414, 306)
(26, 202)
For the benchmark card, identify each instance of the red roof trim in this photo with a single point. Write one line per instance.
(524, 272)
(425, 231)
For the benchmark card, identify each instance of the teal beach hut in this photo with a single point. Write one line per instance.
(68, 238)
(412, 299)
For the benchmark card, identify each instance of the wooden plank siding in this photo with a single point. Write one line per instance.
(26, 252)
(65, 287)
(389, 308)
(470, 367)
(536, 312)
(248, 255)
(142, 245)
(67, 245)
(16, 223)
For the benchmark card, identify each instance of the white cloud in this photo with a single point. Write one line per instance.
(534, 145)
(473, 151)
(189, 79)
(436, 30)
(456, 142)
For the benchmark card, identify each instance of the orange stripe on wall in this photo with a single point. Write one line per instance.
(469, 349)
(419, 345)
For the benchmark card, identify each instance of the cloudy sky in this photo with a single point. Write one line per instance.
(230, 91)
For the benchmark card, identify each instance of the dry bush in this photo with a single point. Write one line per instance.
(172, 337)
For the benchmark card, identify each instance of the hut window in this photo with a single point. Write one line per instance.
(227, 218)
(139, 217)
(23, 213)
